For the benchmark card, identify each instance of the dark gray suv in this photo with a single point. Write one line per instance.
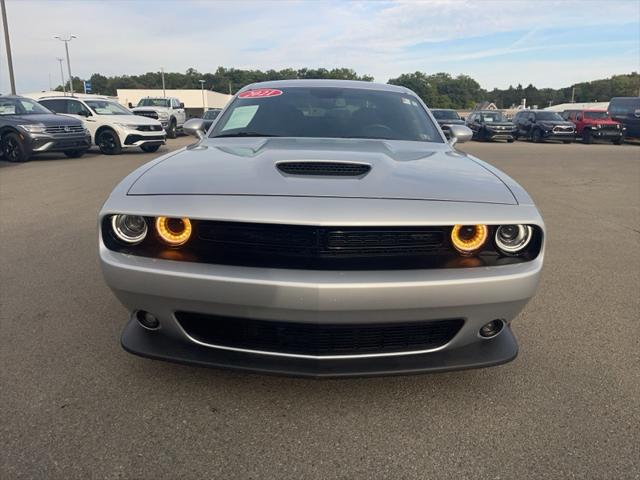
(27, 128)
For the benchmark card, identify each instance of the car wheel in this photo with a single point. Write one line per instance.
(12, 148)
(586, 136)
(150, 148)
(618, 141)
(171, 131)
(109, 143)
(74, 153)
(511, 140)
(536, 136)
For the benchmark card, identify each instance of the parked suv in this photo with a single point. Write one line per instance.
(626, 110)
(491, 125)
(541, 125)
(169, 111)
(27, 128)
(112, 126)
(445, 118)
(595, 124)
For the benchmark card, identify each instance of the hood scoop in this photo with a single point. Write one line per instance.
(324, 169)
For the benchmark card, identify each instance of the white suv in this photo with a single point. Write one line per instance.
(169, 111)
(112, 126)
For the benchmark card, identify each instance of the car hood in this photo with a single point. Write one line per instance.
(399, 170)
(131, 119)
(556, 123)
(150, 109)
(48, 119)
(500, 124)
(450, 121)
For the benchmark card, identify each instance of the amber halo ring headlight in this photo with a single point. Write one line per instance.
(469, 238)
(129, 229)
(513, 238)
(173, 231)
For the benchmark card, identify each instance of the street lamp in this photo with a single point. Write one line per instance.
(202, 82)
(164, 93)
(66, 41)
(64, 88)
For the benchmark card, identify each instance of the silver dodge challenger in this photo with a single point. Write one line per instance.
(322, 228)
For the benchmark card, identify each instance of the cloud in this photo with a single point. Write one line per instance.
(383, 38)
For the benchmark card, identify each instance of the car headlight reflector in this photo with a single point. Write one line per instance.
(173, 231)
(513, 238)
(130, 229)
(469, 238)
(34, 128)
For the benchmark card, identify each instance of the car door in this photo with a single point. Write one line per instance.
(79, 110)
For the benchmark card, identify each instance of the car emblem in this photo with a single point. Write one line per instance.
(67, 128)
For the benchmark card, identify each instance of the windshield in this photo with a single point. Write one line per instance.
(21, 106)
(211, 114)
(597, 115)
(493, 117)
(548, 116)
(153, 102)
(446, 114)
(331, 112)
(105, 107)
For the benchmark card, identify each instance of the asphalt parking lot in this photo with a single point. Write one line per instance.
(75, 405)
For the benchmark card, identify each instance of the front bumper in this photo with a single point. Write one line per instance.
(132, 138)
(607, 133)
(555, 135)
(39, 143)
(477, 295)
(500, 134)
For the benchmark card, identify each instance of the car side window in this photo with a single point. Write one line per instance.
(56, 106)
(76, 108)
(579, 117)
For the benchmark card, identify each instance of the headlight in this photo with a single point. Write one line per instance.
(163, 115)
(468, 238)
(174, 231)
(130, 229)
(127, 125)
(513, 238)
(34, 128)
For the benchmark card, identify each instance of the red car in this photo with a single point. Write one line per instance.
(595, 124)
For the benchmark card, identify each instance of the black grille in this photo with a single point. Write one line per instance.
(330, 169)
(149, 114)
(318, 339)
(65, 129)
(131, 139)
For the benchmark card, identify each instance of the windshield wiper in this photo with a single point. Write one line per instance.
(245, 134)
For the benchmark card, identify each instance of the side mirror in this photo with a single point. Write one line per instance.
(459, 133)
(84, 113)
(195, 127)
(181, 105)
(462, 118)
(637, 113)
(130, 105)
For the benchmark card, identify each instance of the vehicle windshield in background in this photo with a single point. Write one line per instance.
(103, 107)
(21, 106)
(211, 114)
(597, 115)
(445, 114)
(553, 116)
(330, 112)
(153, 102)
(494, 117)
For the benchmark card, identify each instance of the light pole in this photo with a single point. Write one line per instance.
(164, 93)
(8, 44)
(64, 88)
(202, 82)
(66, 41)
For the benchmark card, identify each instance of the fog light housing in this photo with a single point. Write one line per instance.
(130, 229)
(469, 238)
(147, 320)
(491, 329)
(173, 231)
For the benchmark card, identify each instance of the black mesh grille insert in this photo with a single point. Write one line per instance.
(330, 169)
(318, 339)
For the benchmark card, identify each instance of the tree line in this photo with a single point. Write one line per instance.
(437, 90)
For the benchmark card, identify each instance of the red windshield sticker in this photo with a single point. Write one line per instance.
(261, 93)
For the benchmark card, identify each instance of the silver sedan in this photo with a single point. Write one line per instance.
(322, 228)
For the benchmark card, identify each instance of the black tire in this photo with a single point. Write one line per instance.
(586, 136)
(566, 141)
(618, 141)
(511, 140)
(150, 148)
(13, 149)
(108, 142)
(172, 129)
(536, 136)
(75, 153)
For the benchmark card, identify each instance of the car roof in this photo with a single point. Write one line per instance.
(328, 84)
(14, 96)
(443, 109)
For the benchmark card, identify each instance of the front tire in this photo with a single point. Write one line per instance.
(566, 141)
(13, 149)
(172, 129)
(109, 143)
(511, 140)
(536, 136)
(74, 153)
(150, 148)
(618, 141)
(587, 137)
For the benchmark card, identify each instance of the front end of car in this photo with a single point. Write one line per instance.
(320, 286)
(565, 131)
(141, 132)
(41, 137)
(160, 114)
(503, 131)
(606, 130)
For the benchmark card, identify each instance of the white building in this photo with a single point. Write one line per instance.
(192, 98)
(579, 106)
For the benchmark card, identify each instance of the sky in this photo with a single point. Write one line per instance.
(497, 42)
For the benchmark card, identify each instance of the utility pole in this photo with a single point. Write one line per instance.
(164, 93)
(66, 41)
(202, 82)
(230, 88)
(64, 88)
(573, 94)
(8, 44)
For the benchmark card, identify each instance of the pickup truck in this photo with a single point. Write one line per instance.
(168, 111)
(595, 124)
